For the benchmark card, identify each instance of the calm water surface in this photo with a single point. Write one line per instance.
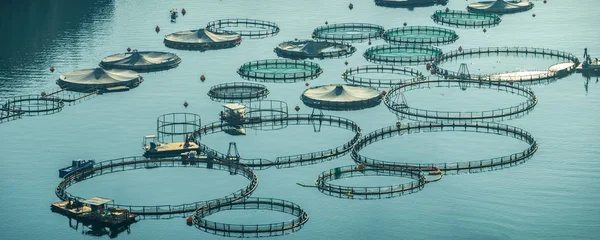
(552, 196)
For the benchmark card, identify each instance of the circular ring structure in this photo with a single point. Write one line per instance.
(324, 185)
(453, 167)
(421, 35)
(238, 91)
(405, 74)
(144, 61)
(341, 97)
(134, 163)
(32, 105)
(171, 125)
(465, 19)
(302, 49)
(253, 230)
(555, 71)
(348, 32)
(500, 6)
(402, 54)
(315, 120)
(201, 40)
(267, 28)
(280, 70)
(395, 102)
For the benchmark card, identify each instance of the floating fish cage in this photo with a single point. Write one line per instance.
(402, 54)
(280, 70)
(300, 217)
(256, 111)
(348, 32)
(324, 180)
(397, 104)
(241, 91)
(420, 35)
(31, 105)
(144, 61)
(6, 116)
(522, 77)
(475, 166)
(465, 19)
(253, 28)
(99, 79)
(500, 6)
(303, 49)
(173, 127)
(202, 40)
(400, 75)
(341, 97)
(136, 163)
(409, 3)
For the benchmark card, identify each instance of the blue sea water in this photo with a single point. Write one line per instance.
(554, 195)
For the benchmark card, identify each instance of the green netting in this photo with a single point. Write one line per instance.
(465, 19)
(238, 91)
(420, 35)
(356, 75)
(348, 32)
(402, 54)
(253, 28)
(279, 70)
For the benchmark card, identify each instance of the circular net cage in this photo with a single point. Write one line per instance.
(465, 19)
(280, 70)
(421, 35)
(409, 3)
(300, 217)
(251, 28)
(238, 91)
(500, 6)
(141, 61)
(174, 127)
(341, 97)
(89, 80)
(402, 54)
(324, 184)
(348, 32)
(31, 105)
(372, 75)
(302, 49)
(201, 40)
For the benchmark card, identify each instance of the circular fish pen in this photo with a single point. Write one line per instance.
(303, 49)
(397, 104)
(31, 105)
(348, 32)
(314, 120)
(521, 77)
(341, 97)
(201, 40)
(238, 91)
(500, 6)
(136, 163)
(450, 167)
(98, 79)
(409, 3)
(251, 230)
(402, 54)
(401, 75)
(421, 35)
(324, 184)
(465, 19)
(251, 28)
(172, 125)
(280, 70)
(144, 61)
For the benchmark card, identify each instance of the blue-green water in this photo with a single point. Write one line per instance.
(552, 196)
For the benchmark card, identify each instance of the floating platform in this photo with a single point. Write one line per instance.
(94, 211)
(169, 149)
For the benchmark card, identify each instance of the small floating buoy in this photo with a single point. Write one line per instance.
(189, 221)
(447, 9)
(484, 30)
(157, 29)
(202, 77)
(128, 49)
(185, 104)
(306, 84)
(460, 48)
(428, 66)
(43, 93)
(51, 68)
(183, 11)
(297, 108)
(326, 22)
(405, 24)
(346, 63)
(383, 93)
(351, 6)
(369, 42)
(533, 15)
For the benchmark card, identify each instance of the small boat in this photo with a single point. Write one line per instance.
(154, 149)
(234, 115)
(76, 165)
(174, 14)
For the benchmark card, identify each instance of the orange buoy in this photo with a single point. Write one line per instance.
(189, 221)
(351, 6)
(346, 63)
(183, 11)
(306, 84)
(432, 71)
(295, 39)
(484, 30)
(383, 93)
(428, 66)
(405, 24)
(361, 166)
(128, 49)
(460, 49)
(297, 108)
(545, 1)
(51, 68)
(447, 9)
(202, 77)
(43, 93)
(157, 29)
(185, 104)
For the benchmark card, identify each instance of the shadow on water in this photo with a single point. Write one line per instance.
(38, 29)
(97, 231)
